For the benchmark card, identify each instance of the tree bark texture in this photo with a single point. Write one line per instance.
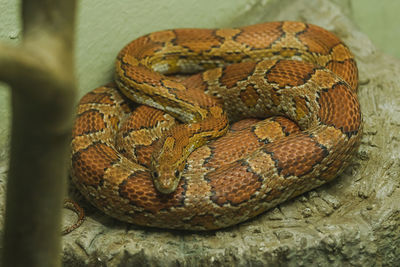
(40, 73)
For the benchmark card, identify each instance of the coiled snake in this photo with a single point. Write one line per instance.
(161, 165)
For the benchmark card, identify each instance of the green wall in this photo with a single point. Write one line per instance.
(380, 20)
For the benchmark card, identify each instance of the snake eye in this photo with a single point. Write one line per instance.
(155, 175)
(177, 174)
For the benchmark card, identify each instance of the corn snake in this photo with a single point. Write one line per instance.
(300, 75)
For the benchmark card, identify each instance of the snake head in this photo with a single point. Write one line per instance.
(167, 164)
(166, 181)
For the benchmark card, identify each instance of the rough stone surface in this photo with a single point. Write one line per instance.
(353, 221)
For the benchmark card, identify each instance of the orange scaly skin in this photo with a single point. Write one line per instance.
(300, 74)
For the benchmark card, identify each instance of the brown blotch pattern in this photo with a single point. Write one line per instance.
(162, 37)
(249, 96)
(288, 126)
(293, 27)
(137, 120)
(258, 36)
(90, 121)
(90, 164)
(141, 48)
(318, 40)
(296, 156)
(236, 72)
(231, 147)
(203, 40)
(195, 81)
(290, 73)
(140, 191)
(339, 108)
(98, 98)
(143, 154)
(233, 185)
(347, 70)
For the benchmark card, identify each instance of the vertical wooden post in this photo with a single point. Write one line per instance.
(40, 73)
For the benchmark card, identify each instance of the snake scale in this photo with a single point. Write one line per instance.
(198, 153)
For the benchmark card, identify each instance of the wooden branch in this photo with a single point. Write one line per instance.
(40, 73)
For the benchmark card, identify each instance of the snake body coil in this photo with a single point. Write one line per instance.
(161, 165)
